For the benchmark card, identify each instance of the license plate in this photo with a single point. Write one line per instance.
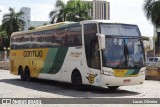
(126, 81)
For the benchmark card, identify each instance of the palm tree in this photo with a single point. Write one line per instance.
(59, 14)
(69, 11)
(11, 22)
(152, 11)
(79, 9)
(151, 8)
(3, 37)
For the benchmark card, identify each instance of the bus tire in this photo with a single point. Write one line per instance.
(77, 81)
(113, 87)
(27, 74)
(21, 73)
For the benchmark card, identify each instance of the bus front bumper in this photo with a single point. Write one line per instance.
(121, 81)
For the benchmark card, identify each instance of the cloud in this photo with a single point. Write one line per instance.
(40, 12)
(131, 11)
(4, 10)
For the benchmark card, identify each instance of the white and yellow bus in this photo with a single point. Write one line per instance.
(94, 52)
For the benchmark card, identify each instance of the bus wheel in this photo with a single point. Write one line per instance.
(22, 75)
(113, 87)
(27, 74)
(77, 81)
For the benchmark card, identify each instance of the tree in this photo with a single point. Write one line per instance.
(151, 8)
(45, 24)
(69, 11)
(11, 22)
(78, 10)
(3, 33)
(59, 14)
(3, 38)
(31, 28)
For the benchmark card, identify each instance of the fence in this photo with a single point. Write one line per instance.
(2, 55)
(4, 62)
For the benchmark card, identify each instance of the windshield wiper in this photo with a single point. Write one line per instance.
(126, 54)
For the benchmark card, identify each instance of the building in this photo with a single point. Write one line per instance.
(39, 23)
(27, 19)
(100, 9)
(157, 40)
(148, 44)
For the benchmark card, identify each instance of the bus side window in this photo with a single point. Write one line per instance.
(13, 42)
(95, 55)
(27, 41)
(46, 38)
(91, 46)
(60, 37)
(36, 39)
(74, 37)
(19, 41)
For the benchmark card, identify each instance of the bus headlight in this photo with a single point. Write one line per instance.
(109, 73)
(142, 72)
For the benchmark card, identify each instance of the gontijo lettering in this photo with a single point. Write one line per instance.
(34, 53)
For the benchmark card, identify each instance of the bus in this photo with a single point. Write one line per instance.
(92, 52)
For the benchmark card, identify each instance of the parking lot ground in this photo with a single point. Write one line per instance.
(12, 87)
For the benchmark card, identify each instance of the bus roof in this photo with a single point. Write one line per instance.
(65, 24)
(103, 21)
(48, 27)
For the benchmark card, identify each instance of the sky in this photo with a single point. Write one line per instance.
(129, 11)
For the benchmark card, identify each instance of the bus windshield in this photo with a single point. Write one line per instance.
(122, 51)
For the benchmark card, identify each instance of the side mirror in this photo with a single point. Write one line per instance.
(158, 60)
(151, 43)
(102, 41)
